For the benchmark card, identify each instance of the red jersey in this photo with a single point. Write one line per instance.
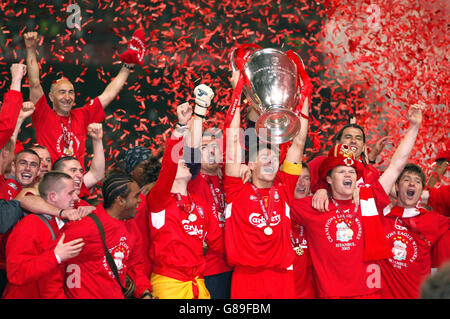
(439, 199)
(246, 243)
(32, 268)
(176, 249)
(96, 280)
(411, 240)
(64, 136)
(336, 242)
(9, 112)
(211, 189)
(303, 271)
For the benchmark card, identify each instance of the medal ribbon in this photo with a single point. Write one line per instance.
(219, 203)
(67, 134)
(181, 205)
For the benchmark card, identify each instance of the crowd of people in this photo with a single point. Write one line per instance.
(212, 215)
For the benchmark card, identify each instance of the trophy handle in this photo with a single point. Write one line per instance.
(232, 60)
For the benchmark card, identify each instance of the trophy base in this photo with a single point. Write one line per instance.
(277, 126)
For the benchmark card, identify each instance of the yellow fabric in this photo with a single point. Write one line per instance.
(291, 168)
(169, 288)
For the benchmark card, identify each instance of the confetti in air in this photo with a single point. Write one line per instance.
(366, 59)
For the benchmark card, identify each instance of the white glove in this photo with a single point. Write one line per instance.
(203, 96)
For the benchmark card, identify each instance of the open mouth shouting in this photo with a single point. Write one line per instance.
(347, 183)
(26, 178)
(410, 193)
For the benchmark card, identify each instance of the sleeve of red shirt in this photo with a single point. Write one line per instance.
(156, 198)
(439, 199)
(287, 183)
(93, 112)
(232, 187)
(40, 112)
(440, 252)
(23, 264)
(142, 223)
(314, 166)
(9, 112)
(135, 267)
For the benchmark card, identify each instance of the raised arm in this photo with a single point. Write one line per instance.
(12, 103)
(26, 111)
(295, 152)
(401, 155)
(233, 147)
(38, 205)
(115, 86)
(36, 91)
(97, 169)
(134, 55)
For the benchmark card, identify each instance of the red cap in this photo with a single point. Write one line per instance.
(339, 155)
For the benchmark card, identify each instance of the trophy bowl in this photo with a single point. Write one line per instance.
(273, 93)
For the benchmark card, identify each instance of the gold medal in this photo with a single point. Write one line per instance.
(268, 231)
(299, 251)
(192, 217)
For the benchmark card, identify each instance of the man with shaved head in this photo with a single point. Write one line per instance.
(62, 130)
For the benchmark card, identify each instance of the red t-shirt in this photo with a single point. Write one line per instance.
(439, 199)
(303, 272)
(49, 127)
(336, 252)
(96, 280)
(403, 273)
(176, 243)
(32, 268)
(9, 112)
(142, 223)
(203, 185)
(246, 243)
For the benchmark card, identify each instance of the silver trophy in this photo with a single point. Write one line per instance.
(273, 93)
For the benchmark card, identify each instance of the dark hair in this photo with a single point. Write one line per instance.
(59, 163)
(115, 185)
(413, 168)
(27, 151)
(437, 286)
(51, 182)
(151, 170)
(305, 165)
(339, 134)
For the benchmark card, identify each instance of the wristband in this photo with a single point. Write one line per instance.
(128, 66)
(146, 294)
(200, 110)
(180, 125)
(202, 116)
(372, 162)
